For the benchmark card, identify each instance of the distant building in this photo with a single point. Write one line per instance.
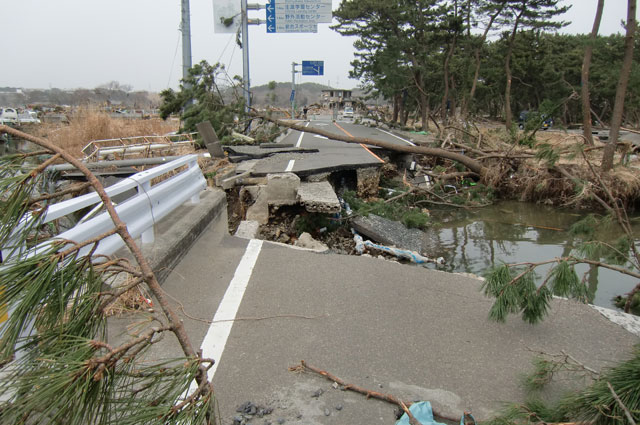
(336, 98)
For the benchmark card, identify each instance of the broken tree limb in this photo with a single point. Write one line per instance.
(624, 408)
(470, 163)
(451, 176)
(389, 398)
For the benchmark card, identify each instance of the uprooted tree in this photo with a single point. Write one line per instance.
(56, 364)
(201, 98)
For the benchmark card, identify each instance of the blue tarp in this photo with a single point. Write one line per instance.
(422, 412)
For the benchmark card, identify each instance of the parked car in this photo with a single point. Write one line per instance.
(29, 117)
(546, 121)
(8, 116)
(348, 112)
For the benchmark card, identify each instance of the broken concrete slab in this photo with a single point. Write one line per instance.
(390, 232)
(225, 173)
(211, 140)
(248, 229)
(241, 153)
(306, 241)
(259, 211)
(319, 197)
(368, 182)
(282, 189)
(246, 165)
(230, 182)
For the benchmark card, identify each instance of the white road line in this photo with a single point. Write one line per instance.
(397, 137)
(301, 136)
(218, 333)
(290, 165)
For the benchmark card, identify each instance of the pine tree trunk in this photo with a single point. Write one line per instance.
(621, 90)
(476, 73)
(586, 65)
(508, 115)
(424, 112)
(446, 80)
(396, 106)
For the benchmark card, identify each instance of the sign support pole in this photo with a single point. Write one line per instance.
(293, 90)
(185, 28)
(245, 54)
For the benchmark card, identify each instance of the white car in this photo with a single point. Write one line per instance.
(29, 117)
(8, 116)
(348, 112)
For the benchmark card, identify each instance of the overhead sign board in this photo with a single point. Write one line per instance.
(317, 11)
(226, 16)
(312, 67)
(297, 15)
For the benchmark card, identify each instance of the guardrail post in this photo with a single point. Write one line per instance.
(195, 199)
(147, 236)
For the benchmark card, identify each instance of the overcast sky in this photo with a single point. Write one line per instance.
(86, 43)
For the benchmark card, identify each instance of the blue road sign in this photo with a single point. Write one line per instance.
(297, 15)
(293, 95)
(271, 16)
(312, 67)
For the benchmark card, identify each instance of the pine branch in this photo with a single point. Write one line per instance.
(622, 406)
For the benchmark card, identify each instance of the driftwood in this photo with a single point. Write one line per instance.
(389, 398)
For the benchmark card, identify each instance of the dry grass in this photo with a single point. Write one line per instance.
(134, 300)
(87, 124)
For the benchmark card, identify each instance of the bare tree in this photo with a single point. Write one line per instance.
(586, 65)
(621, 90)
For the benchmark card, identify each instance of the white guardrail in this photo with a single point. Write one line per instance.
(139, 213)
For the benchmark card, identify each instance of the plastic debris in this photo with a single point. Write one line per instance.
(422, 411)
(362, 245)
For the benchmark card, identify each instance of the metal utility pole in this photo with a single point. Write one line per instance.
(185, 27)
(245, 54)
(293, 89)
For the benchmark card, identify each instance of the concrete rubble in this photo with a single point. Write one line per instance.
(319, 197)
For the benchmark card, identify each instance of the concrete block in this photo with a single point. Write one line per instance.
(247, 229)
(319, 197)
(259, 211)
(282, 189)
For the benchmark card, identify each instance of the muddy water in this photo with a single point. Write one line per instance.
(513, 232)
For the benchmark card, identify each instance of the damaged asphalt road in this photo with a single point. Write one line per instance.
(416, 333)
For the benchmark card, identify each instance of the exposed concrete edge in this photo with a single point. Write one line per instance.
(628, 321)
(323, 169)
(299, 248)
(164, 255)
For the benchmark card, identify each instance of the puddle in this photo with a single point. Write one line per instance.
(513, 232)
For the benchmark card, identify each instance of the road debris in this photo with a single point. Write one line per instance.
(362, 245)
(304, 367)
